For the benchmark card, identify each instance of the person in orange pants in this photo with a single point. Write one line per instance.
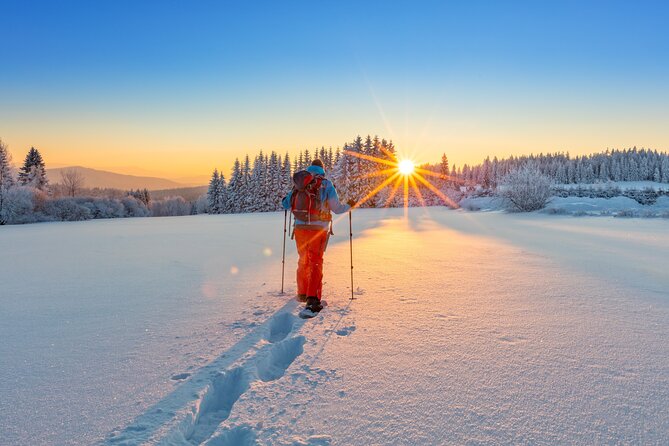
(312, 228)
(311, 245)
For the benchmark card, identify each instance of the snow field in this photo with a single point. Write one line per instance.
(469, 328)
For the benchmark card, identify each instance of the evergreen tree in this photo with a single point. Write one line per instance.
(221, 195)
(331, 160)
(257, 191)
(246, 187)
(6, 174)
(213, 198)
(6, 178)
(235, 186)
(306, 162)
(444, 171)
(286, 176)
(33, 172)
(664, 169)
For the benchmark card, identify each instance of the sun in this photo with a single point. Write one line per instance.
(400, 175)
(406, 167)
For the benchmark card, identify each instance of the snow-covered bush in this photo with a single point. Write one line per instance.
(86, 208)
(103, 207)
(171, 206)
(23, 204)
(66, 209)
(202, 205)
(526, 189)
(134, 207)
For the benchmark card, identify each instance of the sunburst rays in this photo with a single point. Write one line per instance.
(401, 173)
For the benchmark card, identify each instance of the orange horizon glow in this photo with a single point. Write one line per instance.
(177, 158)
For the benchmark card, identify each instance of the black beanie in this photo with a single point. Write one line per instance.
(318, 163)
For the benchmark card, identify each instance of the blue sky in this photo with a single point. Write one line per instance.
(197, 83)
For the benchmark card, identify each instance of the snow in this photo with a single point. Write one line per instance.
(491, 203)
(468, 328)
(579, 206)
(608, 206)
(622, 185)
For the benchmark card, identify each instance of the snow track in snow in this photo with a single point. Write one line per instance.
(194, 411)
(216, 403)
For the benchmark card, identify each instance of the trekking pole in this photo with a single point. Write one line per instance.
(350, 238)
(283, 257)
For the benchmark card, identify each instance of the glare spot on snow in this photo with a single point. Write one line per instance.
(209, 290)
(267, 252)
(234, 270)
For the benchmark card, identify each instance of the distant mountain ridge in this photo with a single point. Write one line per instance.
(104, 179)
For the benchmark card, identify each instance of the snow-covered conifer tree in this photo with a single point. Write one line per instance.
(222, 195)
(664, 169)
(286, 176)
(213, 199)
(247, 189)
(6, 178)
(444, 171)
(33, 172)
(234, 199)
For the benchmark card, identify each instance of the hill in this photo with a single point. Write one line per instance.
(187, 193)
(104, 179)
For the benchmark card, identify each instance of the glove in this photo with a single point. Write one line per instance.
(351, 203)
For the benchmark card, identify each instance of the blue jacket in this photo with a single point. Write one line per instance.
(329, 198)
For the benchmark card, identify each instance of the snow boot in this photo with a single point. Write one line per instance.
(301, 297)
(314, 304)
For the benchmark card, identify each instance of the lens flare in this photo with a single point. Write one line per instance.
(406, 167)
(401, 173)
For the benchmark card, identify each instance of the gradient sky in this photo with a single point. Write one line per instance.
(180, 87)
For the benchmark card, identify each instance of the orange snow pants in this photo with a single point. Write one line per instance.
(311, 245)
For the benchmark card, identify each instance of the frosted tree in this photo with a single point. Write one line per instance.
(526, 188)
(213, 199)
(6, 179)
(33, 172)
(306, 161)
(142, 195)
(337, 155)
(276, 185)
(444, 171)
(347, 172)
(235, 189)
(665, 169)
(331, 160)
(357, 187)
(286, 176)
(246, 198)
(221, 195)
(341, 173)
(257, 193)
(72, 181)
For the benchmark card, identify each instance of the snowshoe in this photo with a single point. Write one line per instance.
(312, 309)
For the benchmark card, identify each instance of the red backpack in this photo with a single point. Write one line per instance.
(305, 202)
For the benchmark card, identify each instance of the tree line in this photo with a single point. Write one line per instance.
(259, 185)
(361, 170)
(612, 165)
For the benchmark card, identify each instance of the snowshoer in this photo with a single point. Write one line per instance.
(311, 201)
